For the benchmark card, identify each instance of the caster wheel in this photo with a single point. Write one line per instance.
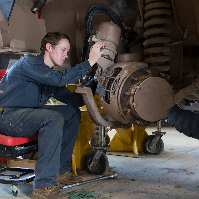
(15, 190)
(153, 150)
(101, 168)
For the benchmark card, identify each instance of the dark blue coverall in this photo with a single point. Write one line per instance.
(24, 91)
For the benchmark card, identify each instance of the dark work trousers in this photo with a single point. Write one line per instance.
(57, 128)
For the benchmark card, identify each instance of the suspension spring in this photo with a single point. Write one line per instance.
(157, 20)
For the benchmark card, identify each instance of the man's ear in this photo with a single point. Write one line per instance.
(48, 47)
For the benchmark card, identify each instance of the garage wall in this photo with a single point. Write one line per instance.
(69, 18)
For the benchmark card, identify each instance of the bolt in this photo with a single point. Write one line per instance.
(134, 78)
(148, 71)
(162, 74)
(127, 109)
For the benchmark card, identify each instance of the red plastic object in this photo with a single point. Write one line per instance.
(2, 73)
(13, 141)
(3, 160)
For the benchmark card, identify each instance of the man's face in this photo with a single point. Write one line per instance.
(58, 53)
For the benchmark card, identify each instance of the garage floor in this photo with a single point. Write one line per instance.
(174, 174)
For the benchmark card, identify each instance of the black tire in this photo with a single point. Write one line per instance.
(16, 192)
(157, 150)
(101, 168)
(186, 122)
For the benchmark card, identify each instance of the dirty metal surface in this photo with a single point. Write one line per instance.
(153, 99)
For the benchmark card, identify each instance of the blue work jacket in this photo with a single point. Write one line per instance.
(30, 83)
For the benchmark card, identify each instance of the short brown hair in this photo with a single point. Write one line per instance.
(53, 38)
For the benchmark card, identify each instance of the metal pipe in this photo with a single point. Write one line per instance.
(90, 181)
(159, 126)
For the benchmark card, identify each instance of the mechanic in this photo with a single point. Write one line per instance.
(24, 91)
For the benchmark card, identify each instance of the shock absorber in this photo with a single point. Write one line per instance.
(156, 24)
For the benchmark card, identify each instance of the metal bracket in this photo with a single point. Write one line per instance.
(155, 140)
(158, 134)
(99, 151)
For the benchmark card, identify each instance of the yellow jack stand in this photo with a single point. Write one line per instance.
(129, 140)
(124, 140)
(82, 146)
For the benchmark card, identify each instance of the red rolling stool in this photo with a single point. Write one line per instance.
(12, 147)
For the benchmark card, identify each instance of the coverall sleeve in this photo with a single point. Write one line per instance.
(71, 98)
(42, 74)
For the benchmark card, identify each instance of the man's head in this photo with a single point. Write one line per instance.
(54, 47)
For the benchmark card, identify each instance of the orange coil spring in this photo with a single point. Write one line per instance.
(157, 19)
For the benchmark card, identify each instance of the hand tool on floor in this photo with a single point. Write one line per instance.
(92, 180)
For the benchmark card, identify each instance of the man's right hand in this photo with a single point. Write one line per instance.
(95, 53)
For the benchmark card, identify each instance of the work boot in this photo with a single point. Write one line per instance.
(68, 178)
(48, 193)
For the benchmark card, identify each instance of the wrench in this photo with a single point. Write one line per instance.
(92, 180)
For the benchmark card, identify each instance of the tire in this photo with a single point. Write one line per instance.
(15, 190)
(158, 149)
(186, 122)
(101, 168)
(15, 193)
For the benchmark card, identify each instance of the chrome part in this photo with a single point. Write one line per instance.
(114, 176)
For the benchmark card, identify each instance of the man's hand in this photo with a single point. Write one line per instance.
(95, 53)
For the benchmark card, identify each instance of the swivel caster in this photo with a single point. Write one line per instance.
(153, 145)
(96, 162)
(15, 190)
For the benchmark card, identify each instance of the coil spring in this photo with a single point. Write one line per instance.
(156, 24)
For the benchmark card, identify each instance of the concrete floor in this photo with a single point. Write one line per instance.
(174, 174)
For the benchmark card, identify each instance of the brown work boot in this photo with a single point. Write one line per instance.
(68, 178)
(48, 193)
